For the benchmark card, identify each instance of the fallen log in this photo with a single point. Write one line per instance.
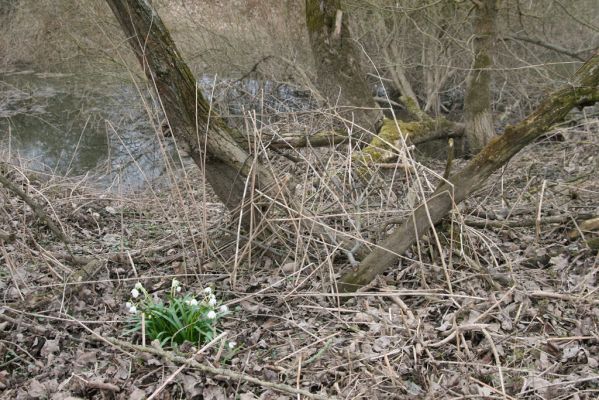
(582, 91)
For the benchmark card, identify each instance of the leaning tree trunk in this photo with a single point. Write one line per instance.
(340, 77)
(209, 141)
(582, 91)
(477, 104)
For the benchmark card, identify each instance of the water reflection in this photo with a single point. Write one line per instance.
(74, 125)
(66, 125)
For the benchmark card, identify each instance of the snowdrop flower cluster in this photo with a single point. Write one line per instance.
(196, 316)
(209, 299)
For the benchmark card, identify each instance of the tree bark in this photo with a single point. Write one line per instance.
(583, 91)
(477, 104)
(340, 80)
(209, 141)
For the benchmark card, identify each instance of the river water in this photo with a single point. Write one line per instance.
(73, 125)
(65, 124)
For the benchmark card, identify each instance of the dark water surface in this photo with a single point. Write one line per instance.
(69, 124)
(73, 125)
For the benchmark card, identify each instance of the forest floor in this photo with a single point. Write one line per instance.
(509, 310)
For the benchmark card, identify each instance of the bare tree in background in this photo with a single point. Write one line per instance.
(340, 77)
(478, 101)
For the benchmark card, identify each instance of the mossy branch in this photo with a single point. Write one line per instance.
(394, 133)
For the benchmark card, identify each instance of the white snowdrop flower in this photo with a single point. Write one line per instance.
(210, 315)
(178, 289)
(224, 309)
(208, 290)
(175, 283)
(128, 304)
(132, 309)
(135, 293)
(139, 286)
(212, 301)
(193, 302)
(232, 345)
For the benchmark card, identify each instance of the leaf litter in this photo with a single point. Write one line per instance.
(518, 319)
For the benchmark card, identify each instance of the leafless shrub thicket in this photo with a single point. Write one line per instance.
(427, 48)
(416, 47)
(54, 35)
(233, 38)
